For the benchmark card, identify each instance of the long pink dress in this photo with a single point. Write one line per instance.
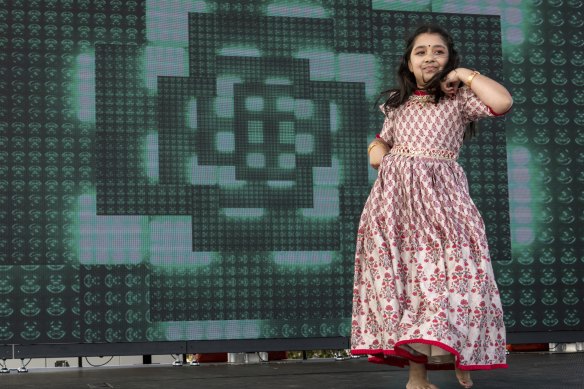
(424, 286)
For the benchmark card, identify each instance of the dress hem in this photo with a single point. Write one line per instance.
(401, 358)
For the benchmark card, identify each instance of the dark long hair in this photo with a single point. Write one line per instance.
(406, 81)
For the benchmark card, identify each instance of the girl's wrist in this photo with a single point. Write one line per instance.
(471, 77)
(375, 143)
(463, 74)
(466, 76)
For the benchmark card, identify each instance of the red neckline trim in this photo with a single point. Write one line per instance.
(421, 92)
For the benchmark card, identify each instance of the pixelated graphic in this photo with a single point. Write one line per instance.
(195, 170)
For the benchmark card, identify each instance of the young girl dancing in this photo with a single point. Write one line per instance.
(424, 292)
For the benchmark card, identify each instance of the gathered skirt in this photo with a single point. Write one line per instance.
(424, 288)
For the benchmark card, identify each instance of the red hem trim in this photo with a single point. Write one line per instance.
(399, 357)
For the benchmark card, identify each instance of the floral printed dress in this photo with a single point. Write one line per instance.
(424, 288)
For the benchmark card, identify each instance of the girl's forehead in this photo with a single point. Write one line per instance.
(427, 39)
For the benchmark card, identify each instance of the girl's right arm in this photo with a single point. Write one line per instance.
(377, 150)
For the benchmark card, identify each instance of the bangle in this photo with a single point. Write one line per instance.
(471, 77)
(372, 146)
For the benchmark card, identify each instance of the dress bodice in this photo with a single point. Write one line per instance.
(422, 124)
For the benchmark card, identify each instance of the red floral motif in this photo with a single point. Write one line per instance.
(422, 269)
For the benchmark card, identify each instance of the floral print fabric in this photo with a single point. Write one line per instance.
(423, 277)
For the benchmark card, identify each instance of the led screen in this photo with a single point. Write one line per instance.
(195, 170)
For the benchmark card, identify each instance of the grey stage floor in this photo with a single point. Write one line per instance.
(529, 370)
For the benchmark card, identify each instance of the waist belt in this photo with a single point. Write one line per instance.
(423, 152)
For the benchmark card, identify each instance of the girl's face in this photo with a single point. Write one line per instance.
(428, 57)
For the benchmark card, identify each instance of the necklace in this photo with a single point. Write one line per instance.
(422, 99)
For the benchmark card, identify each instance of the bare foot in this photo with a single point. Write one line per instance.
(418, 377)
(464, 378)
(420, 384)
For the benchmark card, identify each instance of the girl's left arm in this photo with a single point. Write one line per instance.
(489, 91)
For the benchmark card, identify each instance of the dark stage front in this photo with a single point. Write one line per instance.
(533, 370)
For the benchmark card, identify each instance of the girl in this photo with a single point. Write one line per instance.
(424, 292)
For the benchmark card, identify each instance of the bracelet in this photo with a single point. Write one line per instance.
(374, 144)
(471, 77)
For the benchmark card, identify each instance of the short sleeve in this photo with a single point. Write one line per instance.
(386, 133)
(472, 107)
